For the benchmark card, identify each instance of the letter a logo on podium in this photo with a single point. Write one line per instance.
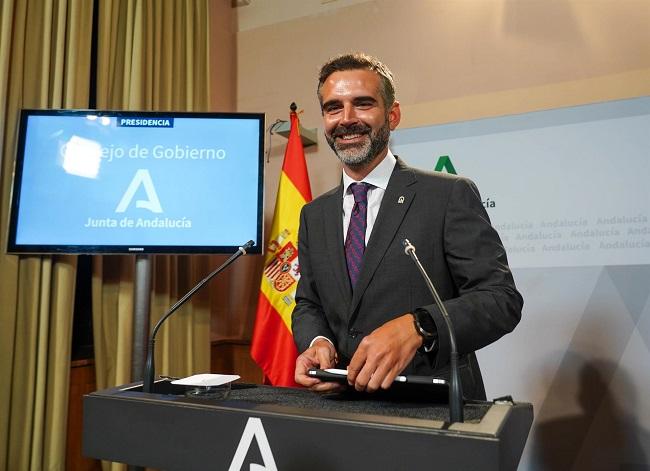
(253, 429)
(152, 203)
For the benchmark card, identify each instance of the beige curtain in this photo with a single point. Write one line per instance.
(44, 63)
(153, 55)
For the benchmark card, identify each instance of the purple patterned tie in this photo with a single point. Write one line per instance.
(355, 242)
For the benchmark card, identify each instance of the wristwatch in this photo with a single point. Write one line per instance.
(426, 328)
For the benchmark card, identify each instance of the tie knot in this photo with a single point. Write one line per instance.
(360, 192)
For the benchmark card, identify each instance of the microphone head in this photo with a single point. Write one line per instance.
(408, 247)
(246, 246)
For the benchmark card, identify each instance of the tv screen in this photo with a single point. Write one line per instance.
(137, 182)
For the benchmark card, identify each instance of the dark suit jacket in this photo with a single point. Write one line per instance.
(442, 215)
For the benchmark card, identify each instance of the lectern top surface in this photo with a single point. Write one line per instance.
(406, 404)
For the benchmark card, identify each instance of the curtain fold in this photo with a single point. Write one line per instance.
(44, 63)
(152, 55)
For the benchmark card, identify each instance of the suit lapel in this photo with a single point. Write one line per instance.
(333, 219)
(394, 206)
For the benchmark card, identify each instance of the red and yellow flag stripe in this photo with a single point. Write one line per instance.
(272, 345)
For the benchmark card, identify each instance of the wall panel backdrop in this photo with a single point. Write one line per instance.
(45, 63)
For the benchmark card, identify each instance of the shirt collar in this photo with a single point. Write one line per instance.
(378, 177)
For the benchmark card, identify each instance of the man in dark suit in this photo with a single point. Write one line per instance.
(361, 302)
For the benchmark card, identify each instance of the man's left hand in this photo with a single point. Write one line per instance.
(383, 354)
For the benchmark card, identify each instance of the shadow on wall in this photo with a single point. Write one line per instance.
(602, 436)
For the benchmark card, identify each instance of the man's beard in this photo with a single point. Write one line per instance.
(359, 155)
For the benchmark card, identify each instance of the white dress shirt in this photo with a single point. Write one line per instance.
(378, 179)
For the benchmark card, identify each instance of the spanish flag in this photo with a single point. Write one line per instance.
(272, 346)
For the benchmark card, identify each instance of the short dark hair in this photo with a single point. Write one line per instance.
(355, 61)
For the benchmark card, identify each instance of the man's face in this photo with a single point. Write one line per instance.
(357, 123)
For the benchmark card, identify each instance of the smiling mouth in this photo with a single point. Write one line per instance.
(350, 137)
(356, 132)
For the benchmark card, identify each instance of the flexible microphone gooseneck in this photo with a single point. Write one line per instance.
(149, 368)
(455, 387)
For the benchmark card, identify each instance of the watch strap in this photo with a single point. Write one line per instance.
(426, 328)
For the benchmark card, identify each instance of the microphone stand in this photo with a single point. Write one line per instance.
(455, 387)
(149, 368)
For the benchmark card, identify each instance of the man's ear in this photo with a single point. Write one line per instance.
(394, 115)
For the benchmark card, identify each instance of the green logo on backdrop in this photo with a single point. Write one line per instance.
(444, 163)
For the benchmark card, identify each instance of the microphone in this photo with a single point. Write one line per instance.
(455, 387)
(149, 368)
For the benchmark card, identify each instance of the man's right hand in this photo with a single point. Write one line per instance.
(322, 355)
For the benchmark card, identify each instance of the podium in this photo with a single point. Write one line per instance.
(263, 427)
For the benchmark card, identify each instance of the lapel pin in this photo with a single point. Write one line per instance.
(400, 200)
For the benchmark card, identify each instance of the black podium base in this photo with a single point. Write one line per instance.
(293, 429)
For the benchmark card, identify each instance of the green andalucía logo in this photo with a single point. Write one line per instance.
(444, 163)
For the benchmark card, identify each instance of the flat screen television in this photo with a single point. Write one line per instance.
(137, 182)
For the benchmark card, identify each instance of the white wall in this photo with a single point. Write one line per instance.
(454, 59)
